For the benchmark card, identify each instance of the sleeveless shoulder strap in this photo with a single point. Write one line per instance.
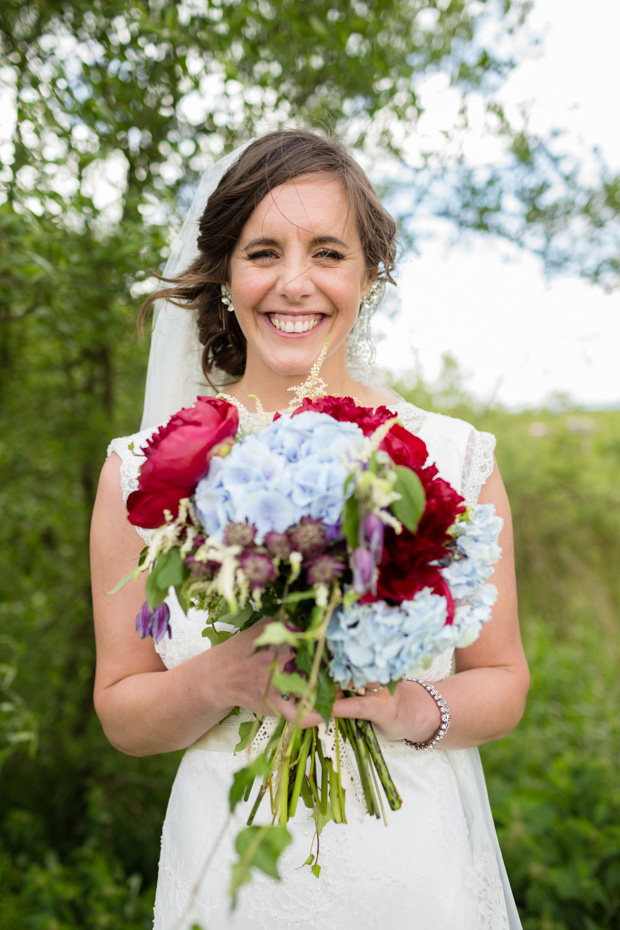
(129, 451)
(463, 454)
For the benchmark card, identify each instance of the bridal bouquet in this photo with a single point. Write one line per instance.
(333, 523)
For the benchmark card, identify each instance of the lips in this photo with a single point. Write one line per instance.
(295, 323)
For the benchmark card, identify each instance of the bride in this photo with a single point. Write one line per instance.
(295, 247)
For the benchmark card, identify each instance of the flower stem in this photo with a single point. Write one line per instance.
(366, 730)
(362, 766)
(300, 774)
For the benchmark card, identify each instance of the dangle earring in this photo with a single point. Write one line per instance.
(227, 299)
(371, 300)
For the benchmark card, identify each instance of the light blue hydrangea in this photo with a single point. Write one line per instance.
(477, 546)
(290, 470)
(379, 642)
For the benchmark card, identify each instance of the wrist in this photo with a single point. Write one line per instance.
(436, 720)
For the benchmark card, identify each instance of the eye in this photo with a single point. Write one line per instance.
(262, 255)
(331, 255)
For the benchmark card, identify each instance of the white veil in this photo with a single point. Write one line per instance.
(174, 377)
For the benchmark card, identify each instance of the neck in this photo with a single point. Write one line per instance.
(272, 388)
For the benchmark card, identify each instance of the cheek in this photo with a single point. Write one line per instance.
(248, 287)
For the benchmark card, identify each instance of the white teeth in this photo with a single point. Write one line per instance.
(290, 327)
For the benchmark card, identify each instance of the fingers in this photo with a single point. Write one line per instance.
(375, 704)
(290, 707)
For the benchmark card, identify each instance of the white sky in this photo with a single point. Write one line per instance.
(517, 337)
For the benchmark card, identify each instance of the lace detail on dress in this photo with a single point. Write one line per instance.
(129, 451)
(478, 464)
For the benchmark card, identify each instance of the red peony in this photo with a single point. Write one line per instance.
(177, 457)
(345, 410)
(404, 568)
(406, 449)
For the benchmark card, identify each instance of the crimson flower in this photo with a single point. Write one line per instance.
(404, 567)
(345, 410)
(177, 457)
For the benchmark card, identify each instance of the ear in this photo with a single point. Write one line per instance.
(371, 276)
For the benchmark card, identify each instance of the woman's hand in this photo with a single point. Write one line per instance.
(411, 713)
(246, 672)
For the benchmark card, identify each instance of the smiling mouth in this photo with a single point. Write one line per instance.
(286, 323)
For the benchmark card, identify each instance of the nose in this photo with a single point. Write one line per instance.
(296, 279)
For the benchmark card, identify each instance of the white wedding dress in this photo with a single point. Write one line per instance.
(437, 866)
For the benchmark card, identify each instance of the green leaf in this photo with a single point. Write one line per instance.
(260, 848)
(184, 601)
(244, 778)
(169, 572)
(296, 596)
(316, 869)
(237, 619)
(214, 637)
(154, 594)
(130, 576)
(323, 818)
(410, 507)
(325, 695)
(289, 682)
(351, 522)
(276, 633)
(245, 732)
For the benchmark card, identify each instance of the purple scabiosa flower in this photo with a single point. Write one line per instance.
(364, 570)
(324, 569)
(155, 623)
(373, 534)
(334, 532)
(309, 537)
(278, 545)
(203, 571)
(291, 666)
(240, 534)
(257, 568)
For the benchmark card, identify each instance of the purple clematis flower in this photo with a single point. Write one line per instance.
(364, 570)
(155, 623)
(373, 534)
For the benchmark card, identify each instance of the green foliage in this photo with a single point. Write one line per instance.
(410, 507)
(87, 891)
(259, 848)
(18, 725)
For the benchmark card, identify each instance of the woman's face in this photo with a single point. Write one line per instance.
(297, 275)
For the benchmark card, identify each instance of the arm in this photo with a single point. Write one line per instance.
(486, 696)
(143, 707)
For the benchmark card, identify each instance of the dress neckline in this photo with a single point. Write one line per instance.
(257, 420)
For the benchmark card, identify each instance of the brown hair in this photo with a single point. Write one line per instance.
(265, 164)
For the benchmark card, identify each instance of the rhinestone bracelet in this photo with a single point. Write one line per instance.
(443, 710)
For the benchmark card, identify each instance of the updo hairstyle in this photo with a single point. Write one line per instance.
(265, 164)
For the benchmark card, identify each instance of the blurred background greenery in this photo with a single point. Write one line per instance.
(112, 110)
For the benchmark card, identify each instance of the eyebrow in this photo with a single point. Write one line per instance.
(318, 240)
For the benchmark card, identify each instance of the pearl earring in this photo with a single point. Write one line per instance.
(227, 299)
